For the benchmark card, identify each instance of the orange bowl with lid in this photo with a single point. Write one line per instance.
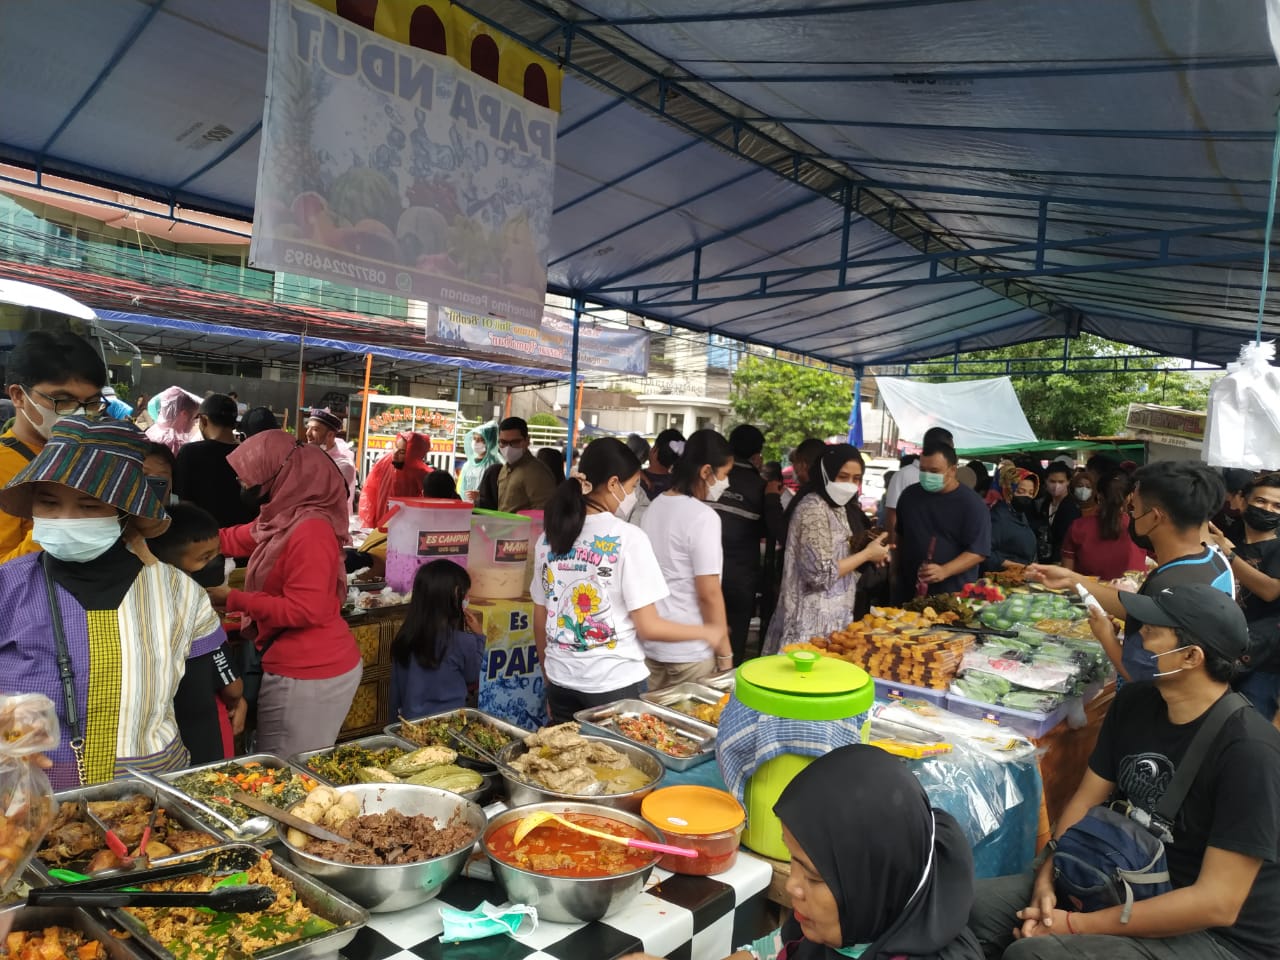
(708, 820)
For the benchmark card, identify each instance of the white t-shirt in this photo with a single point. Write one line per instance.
(904, 478)
(588, 594)
(685, 534)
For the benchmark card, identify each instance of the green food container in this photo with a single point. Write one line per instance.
(798, 686)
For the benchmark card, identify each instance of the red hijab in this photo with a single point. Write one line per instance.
(303, 483)
(386, 480)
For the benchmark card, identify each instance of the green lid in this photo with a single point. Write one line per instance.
(804, 686)
(499, 515)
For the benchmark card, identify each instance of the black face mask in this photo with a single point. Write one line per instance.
(1025, 505)
(398, 466)
(211, 574)
(253, 497)
(1264, 521)
(1141, 541)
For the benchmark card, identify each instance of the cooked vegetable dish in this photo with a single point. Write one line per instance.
(192, 934)
(278, 786)
(655, 732)
(556, 851)
(76, 839)
(701, 710)
(342, 765)
(435, 732)
(51, 943)
(563, 760)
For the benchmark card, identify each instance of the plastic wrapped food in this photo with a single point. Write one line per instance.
(28, 728)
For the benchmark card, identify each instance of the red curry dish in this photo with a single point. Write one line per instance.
(556, 851)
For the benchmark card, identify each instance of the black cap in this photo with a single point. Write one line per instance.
(326, 419)
(1212, 618)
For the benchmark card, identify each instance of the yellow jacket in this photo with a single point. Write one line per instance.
(15, 534)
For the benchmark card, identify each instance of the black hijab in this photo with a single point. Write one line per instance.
(100, 584)
(865, 823)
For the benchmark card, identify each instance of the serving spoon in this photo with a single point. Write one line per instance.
(251, 829)
(539, 817)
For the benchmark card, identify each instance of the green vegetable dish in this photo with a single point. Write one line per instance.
(435, 731)
(343, 764)
(279, 786)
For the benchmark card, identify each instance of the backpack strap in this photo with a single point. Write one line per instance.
(1228, 706)
(18, 447)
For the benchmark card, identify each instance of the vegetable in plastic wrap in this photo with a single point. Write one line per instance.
(973, 788)
(28, 729)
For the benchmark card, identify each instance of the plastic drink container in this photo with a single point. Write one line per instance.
(422, 529)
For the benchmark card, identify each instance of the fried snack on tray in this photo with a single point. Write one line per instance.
(51, 943)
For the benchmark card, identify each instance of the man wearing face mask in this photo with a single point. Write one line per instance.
(944, 528)
(48, 377)
(1255, 560)
(1223, 865)
(524, 482)
(1169, 509)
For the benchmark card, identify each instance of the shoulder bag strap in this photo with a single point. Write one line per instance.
(13, 443)
(66, 673)
(1229, 705)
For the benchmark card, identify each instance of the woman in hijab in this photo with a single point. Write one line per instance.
(291, 604)
(398, 474)
(482, 455)
(876, 874)
(128, 624)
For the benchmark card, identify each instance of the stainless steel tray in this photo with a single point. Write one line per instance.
(116, 790)
(601, 719)
(684, 691)
(723, 682)
(266, 759)
(519, 733)
(318, 898)
(16, 898)
(378, 741)
(37, 918)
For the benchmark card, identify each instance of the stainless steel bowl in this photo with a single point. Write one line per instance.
(521, 792)
(570, 899)
(385, 888)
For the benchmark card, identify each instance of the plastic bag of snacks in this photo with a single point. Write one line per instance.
(28, 728)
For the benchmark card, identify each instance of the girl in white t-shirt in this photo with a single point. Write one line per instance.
(685, 534)
(595, 584)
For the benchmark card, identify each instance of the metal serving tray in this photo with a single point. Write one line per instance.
(668, 696)
(268, 760)
(519, 733)
(601, 719)
(724, 682)
(318, 898)
(382, 741)
(118, 790)
(37, 918)
(16, 898)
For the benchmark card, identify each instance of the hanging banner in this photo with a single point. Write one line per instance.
(603, 349)
(389, 168)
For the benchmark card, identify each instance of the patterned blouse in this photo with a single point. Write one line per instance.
(814, 600)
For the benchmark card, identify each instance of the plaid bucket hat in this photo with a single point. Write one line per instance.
(102, 458)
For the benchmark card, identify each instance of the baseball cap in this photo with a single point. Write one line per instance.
(1212, 618)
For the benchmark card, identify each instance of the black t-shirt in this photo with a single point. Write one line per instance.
(1233, 805)
(1208, 566)
(195, 708)
(959, 520)
(1263, 615)
(203, 477)
(747, 516)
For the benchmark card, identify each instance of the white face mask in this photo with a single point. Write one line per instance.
(512, 454)
(716, 489)
(75, 539)
(1083, 493)
(44, 426)
(479, 449)
(625, 505)
(841, 493)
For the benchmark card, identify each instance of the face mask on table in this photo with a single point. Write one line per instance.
(933, 482)
(1264, 521)
(1141, 664)
(75, 539)
(716, 489)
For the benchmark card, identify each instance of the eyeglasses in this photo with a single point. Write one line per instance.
(67, 406)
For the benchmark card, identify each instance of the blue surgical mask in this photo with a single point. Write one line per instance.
(854, 952)
(933, 482)
(75, 539)
(1141, 664)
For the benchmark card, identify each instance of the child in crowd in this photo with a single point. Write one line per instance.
(436, 655)
(210, 707)
(439, 484)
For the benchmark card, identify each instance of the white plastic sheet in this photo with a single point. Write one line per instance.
(1243, 427)
(979, 413)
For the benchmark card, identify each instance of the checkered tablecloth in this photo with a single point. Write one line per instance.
(683, 918)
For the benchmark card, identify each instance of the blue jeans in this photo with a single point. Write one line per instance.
(1263, 691)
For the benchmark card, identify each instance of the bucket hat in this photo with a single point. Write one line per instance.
(101, 458)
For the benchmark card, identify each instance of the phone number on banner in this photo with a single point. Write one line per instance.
(342, 268)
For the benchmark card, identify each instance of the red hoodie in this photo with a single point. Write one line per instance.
(386, 480)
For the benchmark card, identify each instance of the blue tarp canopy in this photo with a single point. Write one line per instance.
(862, 182)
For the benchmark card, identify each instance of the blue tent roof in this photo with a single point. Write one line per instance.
(862, 182)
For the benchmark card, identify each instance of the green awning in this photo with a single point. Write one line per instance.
(1133, 449)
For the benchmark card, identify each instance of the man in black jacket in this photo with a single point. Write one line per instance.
(749, 511)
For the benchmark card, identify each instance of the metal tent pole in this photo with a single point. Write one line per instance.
(361, 456)
(573, 385)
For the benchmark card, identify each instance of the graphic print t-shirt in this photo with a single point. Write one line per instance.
(588, 594)
(1233, 805)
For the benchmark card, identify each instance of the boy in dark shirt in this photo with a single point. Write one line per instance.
(209, 706)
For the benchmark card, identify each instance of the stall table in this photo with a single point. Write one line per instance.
(1066, 751)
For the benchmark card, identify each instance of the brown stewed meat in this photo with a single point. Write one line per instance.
(392, 838)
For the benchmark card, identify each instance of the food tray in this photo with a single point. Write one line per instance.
(116, 790)
(892, 690)
(319, 899)
(266, 759)
(1031, 725)
(378, 741)
(724, 681)
(684, 691)
(599, 720)
(16, 898)
(519, 733)
(37, 918)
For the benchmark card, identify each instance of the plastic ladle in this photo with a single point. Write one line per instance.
(540, 817)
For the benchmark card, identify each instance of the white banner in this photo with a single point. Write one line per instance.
(389, 168)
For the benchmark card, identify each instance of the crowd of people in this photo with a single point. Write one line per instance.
(656, 564)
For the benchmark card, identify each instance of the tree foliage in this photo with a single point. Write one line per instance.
(1060, 406)
(790, 402)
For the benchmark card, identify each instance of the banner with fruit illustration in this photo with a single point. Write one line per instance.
(390, 168)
